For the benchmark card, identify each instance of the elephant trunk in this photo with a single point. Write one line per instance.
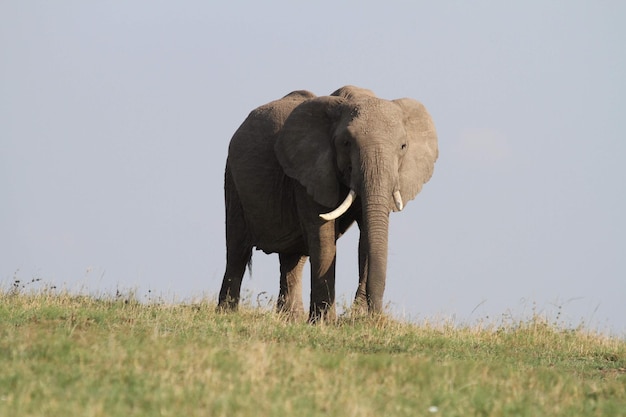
(379, 194)
(376, 222)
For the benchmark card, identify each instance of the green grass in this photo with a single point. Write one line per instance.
(64, 355)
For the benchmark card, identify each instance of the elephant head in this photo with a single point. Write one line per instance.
(382, 151)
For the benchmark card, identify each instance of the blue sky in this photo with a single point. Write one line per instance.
(115, 120)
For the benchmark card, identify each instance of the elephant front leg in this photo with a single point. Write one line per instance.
(322, 248)
(290, 296)
(360, 299)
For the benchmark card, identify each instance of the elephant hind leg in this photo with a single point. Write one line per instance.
(238, 247)
(236, 262)
(290, 295)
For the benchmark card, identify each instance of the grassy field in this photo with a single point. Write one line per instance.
(63, 355)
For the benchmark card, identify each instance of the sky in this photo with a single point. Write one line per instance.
(115, 119)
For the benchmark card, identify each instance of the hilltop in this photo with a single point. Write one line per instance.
(63, 354)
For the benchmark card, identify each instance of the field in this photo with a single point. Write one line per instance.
(69, 355)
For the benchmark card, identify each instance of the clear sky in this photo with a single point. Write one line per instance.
(115, 119)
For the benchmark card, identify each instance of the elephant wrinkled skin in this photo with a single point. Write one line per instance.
(293, 161)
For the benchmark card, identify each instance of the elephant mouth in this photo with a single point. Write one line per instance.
(345, 205)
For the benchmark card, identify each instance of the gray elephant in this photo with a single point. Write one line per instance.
(301, 169)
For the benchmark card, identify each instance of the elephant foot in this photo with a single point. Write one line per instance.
(358, 309)
(292, 315)
(292, 311)
(227, 304)
(322, 314)
(289, 304)
(359, 306)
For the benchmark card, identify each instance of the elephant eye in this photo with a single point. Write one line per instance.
(403, 146)
(346, 143)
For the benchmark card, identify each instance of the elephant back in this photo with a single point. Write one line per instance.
(259, 180)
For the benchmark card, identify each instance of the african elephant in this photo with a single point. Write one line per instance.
(301, 169)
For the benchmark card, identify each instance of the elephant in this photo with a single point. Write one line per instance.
(302, 169)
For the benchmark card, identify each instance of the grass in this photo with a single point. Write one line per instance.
(63, 354)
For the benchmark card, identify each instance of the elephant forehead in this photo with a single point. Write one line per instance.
(376, 118)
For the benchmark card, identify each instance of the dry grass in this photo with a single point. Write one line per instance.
(75, 355)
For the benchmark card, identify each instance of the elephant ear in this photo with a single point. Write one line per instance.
(422, 151)
(304, 148)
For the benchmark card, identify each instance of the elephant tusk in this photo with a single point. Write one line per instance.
(343, 207)
(397, 198)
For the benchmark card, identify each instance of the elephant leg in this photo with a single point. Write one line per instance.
(290, 296)
(322, 249)
(236, 262)
(321, 239)
(360, 300)
(238, 247)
